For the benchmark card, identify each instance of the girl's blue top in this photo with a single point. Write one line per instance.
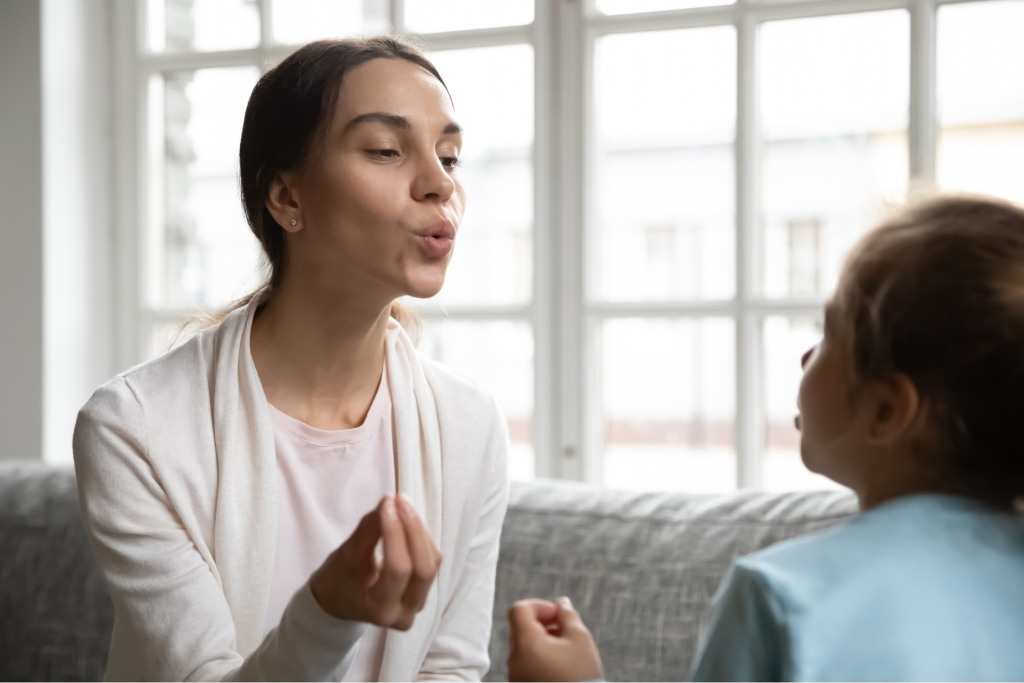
(926, 587)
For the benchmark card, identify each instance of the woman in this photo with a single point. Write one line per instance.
(218, 481)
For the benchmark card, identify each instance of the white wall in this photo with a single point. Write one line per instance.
(55, 249)
(21, 239)
(77, 175)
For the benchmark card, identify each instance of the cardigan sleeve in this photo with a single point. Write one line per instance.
(170, 610)
(459, 650)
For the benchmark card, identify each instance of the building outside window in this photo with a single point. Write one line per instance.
(661, 195)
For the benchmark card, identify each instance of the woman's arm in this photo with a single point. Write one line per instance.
(459, 650)
(742, 637)
(171, 615)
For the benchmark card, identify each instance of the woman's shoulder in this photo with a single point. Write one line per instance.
(457, 390)
(180, 377)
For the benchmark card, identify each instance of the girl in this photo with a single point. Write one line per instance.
(217, 482)
(913, 399)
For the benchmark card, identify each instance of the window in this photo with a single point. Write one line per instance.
(661, 196)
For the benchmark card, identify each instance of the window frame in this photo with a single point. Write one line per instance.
(567, 422)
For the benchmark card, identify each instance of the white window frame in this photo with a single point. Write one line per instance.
(567, 421)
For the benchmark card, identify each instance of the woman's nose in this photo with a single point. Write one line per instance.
(806, 358)
(434, 182)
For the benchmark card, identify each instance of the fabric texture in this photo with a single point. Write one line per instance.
(55, 616)
(922, 588)
(640, 567)
(327, 482)
(178, 486)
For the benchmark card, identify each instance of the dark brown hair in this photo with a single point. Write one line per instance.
(285, 121)
(937, 294)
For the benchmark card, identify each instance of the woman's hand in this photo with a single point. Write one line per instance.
(549, 642)
(355, 585)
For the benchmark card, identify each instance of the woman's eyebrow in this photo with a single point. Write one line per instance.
(395, 121)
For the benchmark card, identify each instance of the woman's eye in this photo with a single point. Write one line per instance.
(449, 162)
(384, 153)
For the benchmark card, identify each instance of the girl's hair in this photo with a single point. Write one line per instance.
(287, 117)
(937, 294)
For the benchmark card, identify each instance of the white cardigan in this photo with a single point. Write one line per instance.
(178, 485)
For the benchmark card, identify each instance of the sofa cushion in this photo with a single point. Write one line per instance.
(55, 615)
(640, 567)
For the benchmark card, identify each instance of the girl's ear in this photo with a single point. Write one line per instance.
(283, 202)
(895, 407)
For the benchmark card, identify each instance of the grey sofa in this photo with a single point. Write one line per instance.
(639, 567)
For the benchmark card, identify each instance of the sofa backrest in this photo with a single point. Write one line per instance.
(55, 616)
(639, 567)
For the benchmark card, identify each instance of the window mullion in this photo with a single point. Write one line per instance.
(570, 454)
(545, 204)
(129, 117)
(396, 8)
(749, 422)
(266, 34)
(923, 125)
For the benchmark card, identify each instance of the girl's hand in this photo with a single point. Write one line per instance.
(355, 585)
(549, 642)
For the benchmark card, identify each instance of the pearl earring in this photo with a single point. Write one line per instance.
(294, 221)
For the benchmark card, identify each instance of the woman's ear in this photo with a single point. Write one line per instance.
(896, 404)
(283, 202)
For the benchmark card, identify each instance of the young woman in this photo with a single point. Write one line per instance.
(219, 483)
(914, 400)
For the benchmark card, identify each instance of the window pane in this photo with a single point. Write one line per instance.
(493, 261)
(499, 355)
(631, 6)
(981, 98)
(295, 22)
(436, 16)
(785, 342)
(200, 250)
(183, 25)
(834, 103)
(668, 401)
(665, 181)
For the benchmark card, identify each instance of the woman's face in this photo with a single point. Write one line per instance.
(378, 209)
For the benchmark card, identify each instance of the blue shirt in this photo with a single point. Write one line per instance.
(925, 587)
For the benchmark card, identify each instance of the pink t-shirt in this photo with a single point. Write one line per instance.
(328, 480)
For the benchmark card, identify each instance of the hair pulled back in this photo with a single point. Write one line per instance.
(937, 294)
(285, 122)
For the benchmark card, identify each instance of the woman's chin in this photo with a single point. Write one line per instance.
(425, 285)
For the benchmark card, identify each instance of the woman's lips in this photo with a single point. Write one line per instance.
(435, 246)
(437, 239)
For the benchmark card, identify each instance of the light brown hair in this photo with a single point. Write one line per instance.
(937, 294)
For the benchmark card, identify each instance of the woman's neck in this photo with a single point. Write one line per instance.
(320, 358)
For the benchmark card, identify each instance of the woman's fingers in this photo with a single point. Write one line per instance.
(423, 554)
(363, 541)
(397, 565)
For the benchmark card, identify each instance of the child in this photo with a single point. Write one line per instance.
(915, 400)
